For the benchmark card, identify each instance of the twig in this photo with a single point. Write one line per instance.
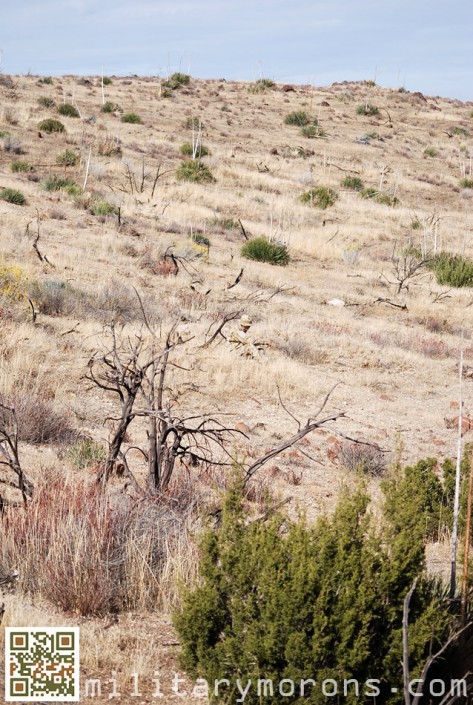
(242, 230)
(403, 307)
(237, 280)
(228, 317)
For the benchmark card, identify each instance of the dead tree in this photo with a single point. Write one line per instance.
(135, 370)
(9, 454)
(120, 370)
(407, 265)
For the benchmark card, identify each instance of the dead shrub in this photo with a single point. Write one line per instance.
(431, 347)
(437, 325)
(40, 420)
(362, 458)
(297, 348)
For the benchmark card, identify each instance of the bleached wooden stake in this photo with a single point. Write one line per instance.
(456, 506)
(87, 169)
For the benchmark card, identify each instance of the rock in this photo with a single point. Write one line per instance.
(336, 302)
(242, 427)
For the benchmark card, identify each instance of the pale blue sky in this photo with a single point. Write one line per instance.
(425, 45)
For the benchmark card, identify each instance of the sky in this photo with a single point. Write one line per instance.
(422, 45)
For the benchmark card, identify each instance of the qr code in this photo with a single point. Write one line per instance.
(42, 663)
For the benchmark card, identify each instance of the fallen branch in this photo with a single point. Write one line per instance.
(403, 307)
(310, 426)
(228, 317)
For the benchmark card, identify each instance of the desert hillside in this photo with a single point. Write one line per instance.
(108, 229)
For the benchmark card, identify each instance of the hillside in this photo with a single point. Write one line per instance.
(335, 316)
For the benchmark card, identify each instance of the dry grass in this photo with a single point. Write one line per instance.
(89, 554)
(396, 367)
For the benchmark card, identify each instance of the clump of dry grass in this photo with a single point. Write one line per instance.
(87, 554)
(40, 419)
(362, 457)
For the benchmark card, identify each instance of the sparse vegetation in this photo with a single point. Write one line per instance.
(195, 171)
(261, 85)
(321, 197)
(175, 81)
(110, 107)
(12, 195)
(354, 183)
(187, 149)
(102, 207)
(131, 118)
(368, 110)
(51, 125)
(262, 250)
(20, 166)
(68, 110)
(12, 145)
(299, 118)
(430, 152)
(67, 158)
(312, 131)
(56, 182)
(46, 102)
(86, 453)
(466, 183)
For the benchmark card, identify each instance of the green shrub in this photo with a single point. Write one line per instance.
(298, 118)
(195, 171)
(67, 158)
(225, 223)
(430, 152)
(354, 183)
(466, 183)
(262, 250)
(368, 192)
(11, 195)
(56, 182)
(4, 134)
(72, 189)
(385, 199)
(284, 601)
(261, 85)
(188, 150)
(99, 206)
(201, 239)
(176, 80)
(378, 197)
(193, 123)
(321, 197)
(110, 107)
(51, 125)
(367, 109)
(460, 131)
(47, 80)
(46, 102)
(131, 118)
(106, 81)
(312, 131)
(20, 166)
(86, 453)
(416, 224)
(68, 110)
(452, 270)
